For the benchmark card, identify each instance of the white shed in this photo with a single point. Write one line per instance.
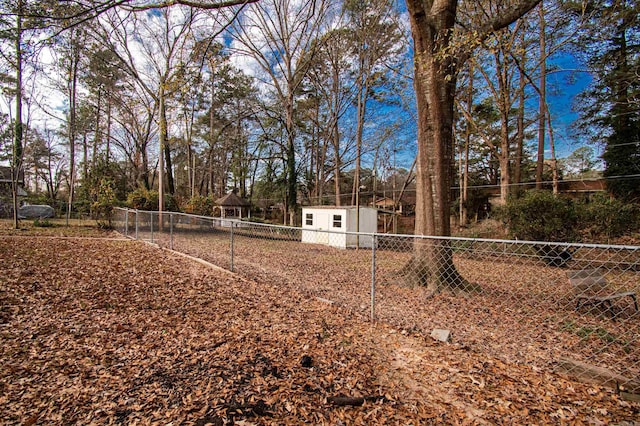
(330, 225)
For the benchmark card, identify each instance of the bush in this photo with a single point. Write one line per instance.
(43, 223)
(141, 199)
(605, 216)
(144, 199)
(199, 205)
(540, 216)
(102, 208)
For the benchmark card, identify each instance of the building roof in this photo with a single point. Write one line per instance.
(232, 200)
(385, 201)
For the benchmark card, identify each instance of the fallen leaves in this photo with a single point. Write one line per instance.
(110, 332)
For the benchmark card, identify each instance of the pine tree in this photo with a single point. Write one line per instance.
(611, 105)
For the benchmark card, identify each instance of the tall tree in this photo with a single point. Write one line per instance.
(162, 38)
(48, 164)
(542, 119)
(377, 41)
(17, 155)
(70, 49)
(499, 78)
(103, 80)
(437, 61)
(331, 84)
(611, 105)
(279, 35)
(13, 35)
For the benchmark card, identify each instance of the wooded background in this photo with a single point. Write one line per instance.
(314, 101)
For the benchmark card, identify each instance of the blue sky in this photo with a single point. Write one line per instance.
(563, 86)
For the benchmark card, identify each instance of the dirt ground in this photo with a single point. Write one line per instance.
(104, 331)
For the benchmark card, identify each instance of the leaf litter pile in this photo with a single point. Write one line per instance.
(118, 332)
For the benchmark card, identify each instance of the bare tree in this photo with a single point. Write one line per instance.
(377, 41)
(279, 36)
(47, 162)
(500, 81)
(13, 55)
(330, 81)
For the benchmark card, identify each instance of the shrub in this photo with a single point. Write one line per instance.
(102, 208)
(605, 216)
(144, 199)
(199, 205)
(540, 216)
(43, 223)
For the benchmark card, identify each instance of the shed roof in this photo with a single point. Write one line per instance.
(232, 200)
(332, 207)
(362, 207)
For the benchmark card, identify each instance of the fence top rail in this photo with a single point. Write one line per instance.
(403, 236)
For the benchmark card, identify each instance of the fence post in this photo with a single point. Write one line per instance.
(171, 231)
(151, 222)
(231, 248)
(374, 242)
(126, 223)
(136, 224)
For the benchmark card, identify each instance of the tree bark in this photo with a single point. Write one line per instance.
(17, 153)
(432, 24)
(435, 82)
(292, 178)
(162, 139)
(97, 133)
(335, 137)
(464, 157)
(517, 171)
(73, 91)
(543, 99)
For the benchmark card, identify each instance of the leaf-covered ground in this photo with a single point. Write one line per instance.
(524, 314)
(119, 332)
(56, 228)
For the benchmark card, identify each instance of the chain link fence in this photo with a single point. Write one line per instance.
(544, 304)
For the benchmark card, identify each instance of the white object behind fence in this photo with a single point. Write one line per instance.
(337, 226)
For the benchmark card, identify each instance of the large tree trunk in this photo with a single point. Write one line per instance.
(435, 85)
(164, 139)
(97, 133)
(432, 23)
(464, 157)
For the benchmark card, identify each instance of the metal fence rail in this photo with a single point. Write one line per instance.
(510, 299)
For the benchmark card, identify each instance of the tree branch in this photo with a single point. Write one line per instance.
(499, 22)
(198, 4)
(509, 17)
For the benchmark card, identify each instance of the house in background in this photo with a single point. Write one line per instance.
(386, 203)
(332, 225)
